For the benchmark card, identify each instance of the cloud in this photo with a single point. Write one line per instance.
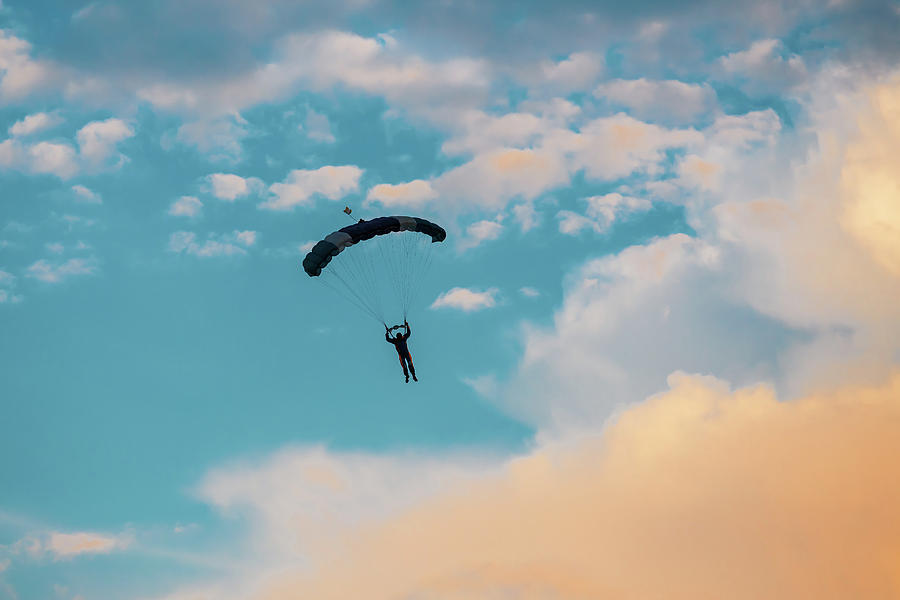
(413, 194)
(576, 72)
(466, 299)
(20, 75)
(97, 141)
(479, 232)
(697, 492)
(66, 546)
(318, 127)
(69, 545)
(217, 137)
(302, 185)
(216, 245)
(324, 493)
(601, 212)
(227, 186)
(529, 292)
(56, 272)
(670, 101)
(34, 123)
(526, 216)
(186, 206)
(7, 288)
(84, 194)
(323, 60)
(762, 69)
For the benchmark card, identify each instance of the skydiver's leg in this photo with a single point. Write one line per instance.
(412, 369)
(403, 364)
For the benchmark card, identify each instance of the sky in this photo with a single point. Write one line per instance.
(658, 352)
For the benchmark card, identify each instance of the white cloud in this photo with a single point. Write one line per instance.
(526, 216)
(600, 214)
(52, 159)
(66, 546)
(412, 194)
(479, 232)
(7, 291)
(20, 75)
(55, 247)
(231, 244)
(318, 127)
(34, 123)
(227, 186)
(466, 299)
(301, 186)
(97, 140)
(323, 60)
(669, 100)
(69, 545)
(529, 292)
(762, 69)
(55, 272)
(186, 206)
(86, 195)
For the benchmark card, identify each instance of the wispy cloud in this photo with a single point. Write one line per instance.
(230, 244)
(56, 272)
(84, 194)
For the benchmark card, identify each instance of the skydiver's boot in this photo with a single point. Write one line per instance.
(407, 379)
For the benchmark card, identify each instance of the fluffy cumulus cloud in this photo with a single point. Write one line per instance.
(20, 74)
(413, 193)
(479, 232)
(467, 300)
(302, 185)
(186, 206)
(730, 469)
(96, 150)
(34, 123)
(230, 187)
(235, 243)
(97, 140)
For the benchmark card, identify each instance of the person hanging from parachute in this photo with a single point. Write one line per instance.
(382, 273)
(399, 342)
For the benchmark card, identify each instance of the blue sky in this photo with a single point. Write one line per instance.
(632, 193)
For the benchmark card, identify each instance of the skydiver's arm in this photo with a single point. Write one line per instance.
(408, 330)
(386, 334)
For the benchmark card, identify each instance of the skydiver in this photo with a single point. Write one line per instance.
(399, 342)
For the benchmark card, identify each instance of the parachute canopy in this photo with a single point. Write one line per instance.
(382, 275)
(334, 244)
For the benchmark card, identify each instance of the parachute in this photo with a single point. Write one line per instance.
(383, 274)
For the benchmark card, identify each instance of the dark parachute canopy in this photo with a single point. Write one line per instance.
(382, 275)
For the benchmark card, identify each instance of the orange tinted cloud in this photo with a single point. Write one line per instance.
(697, 493)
